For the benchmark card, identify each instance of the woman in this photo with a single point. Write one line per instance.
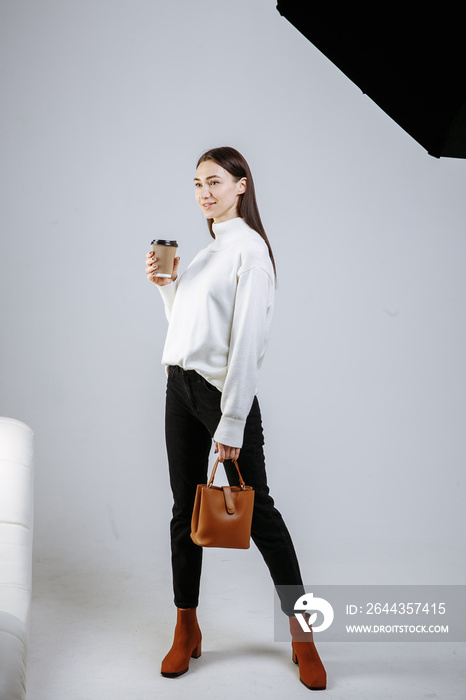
(219, 312)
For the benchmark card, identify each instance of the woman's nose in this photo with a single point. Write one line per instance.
(205, 192)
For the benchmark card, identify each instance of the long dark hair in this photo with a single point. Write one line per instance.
(233, 162)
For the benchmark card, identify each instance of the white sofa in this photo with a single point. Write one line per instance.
(16, 521)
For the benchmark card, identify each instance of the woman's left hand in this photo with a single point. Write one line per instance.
(226, 452)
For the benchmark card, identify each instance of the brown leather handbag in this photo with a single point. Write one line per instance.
(222, 515)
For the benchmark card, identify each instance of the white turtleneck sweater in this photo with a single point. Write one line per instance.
(219, 312)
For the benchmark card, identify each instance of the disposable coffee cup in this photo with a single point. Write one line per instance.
(165, 252)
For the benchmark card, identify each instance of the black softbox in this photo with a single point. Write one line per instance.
(410, 60)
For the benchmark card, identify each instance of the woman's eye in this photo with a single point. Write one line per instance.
(214, 182)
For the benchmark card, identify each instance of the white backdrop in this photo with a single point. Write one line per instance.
(106, 107)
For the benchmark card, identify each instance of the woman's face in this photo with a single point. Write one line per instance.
(217, 192)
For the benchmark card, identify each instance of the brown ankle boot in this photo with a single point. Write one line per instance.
(311, 669)
(186, 644)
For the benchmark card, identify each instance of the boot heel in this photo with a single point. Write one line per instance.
(196, 652)
(294, 656)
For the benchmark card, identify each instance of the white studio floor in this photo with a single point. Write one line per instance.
(99, 630)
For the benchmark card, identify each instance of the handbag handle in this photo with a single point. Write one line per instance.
(241, 480)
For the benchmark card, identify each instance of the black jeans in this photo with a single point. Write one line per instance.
(191, 418)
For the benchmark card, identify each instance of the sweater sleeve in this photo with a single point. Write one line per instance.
(168, 292)
(249, 336)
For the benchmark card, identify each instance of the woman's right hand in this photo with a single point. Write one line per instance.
(151, 267)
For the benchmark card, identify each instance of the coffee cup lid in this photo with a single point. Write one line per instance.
(162, 241)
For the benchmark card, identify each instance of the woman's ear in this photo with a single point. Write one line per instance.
(242, 185)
